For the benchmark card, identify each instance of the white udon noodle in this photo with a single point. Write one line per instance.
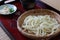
(41, 25)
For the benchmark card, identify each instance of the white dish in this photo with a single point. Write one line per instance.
(10, 6)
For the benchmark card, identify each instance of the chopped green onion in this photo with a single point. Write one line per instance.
(11, 10)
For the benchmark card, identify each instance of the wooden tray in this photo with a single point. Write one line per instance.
(5, 35)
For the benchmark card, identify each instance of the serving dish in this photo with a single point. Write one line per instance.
(7, 7)
(37, 12)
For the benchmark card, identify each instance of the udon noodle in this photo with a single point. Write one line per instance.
(41, 25)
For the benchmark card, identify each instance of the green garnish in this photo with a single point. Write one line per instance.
(11, 10)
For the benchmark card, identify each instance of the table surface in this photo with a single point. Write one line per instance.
(53, 3)
(3, 35)
(9, 21)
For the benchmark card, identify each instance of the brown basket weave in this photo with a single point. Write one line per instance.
(37, 12)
